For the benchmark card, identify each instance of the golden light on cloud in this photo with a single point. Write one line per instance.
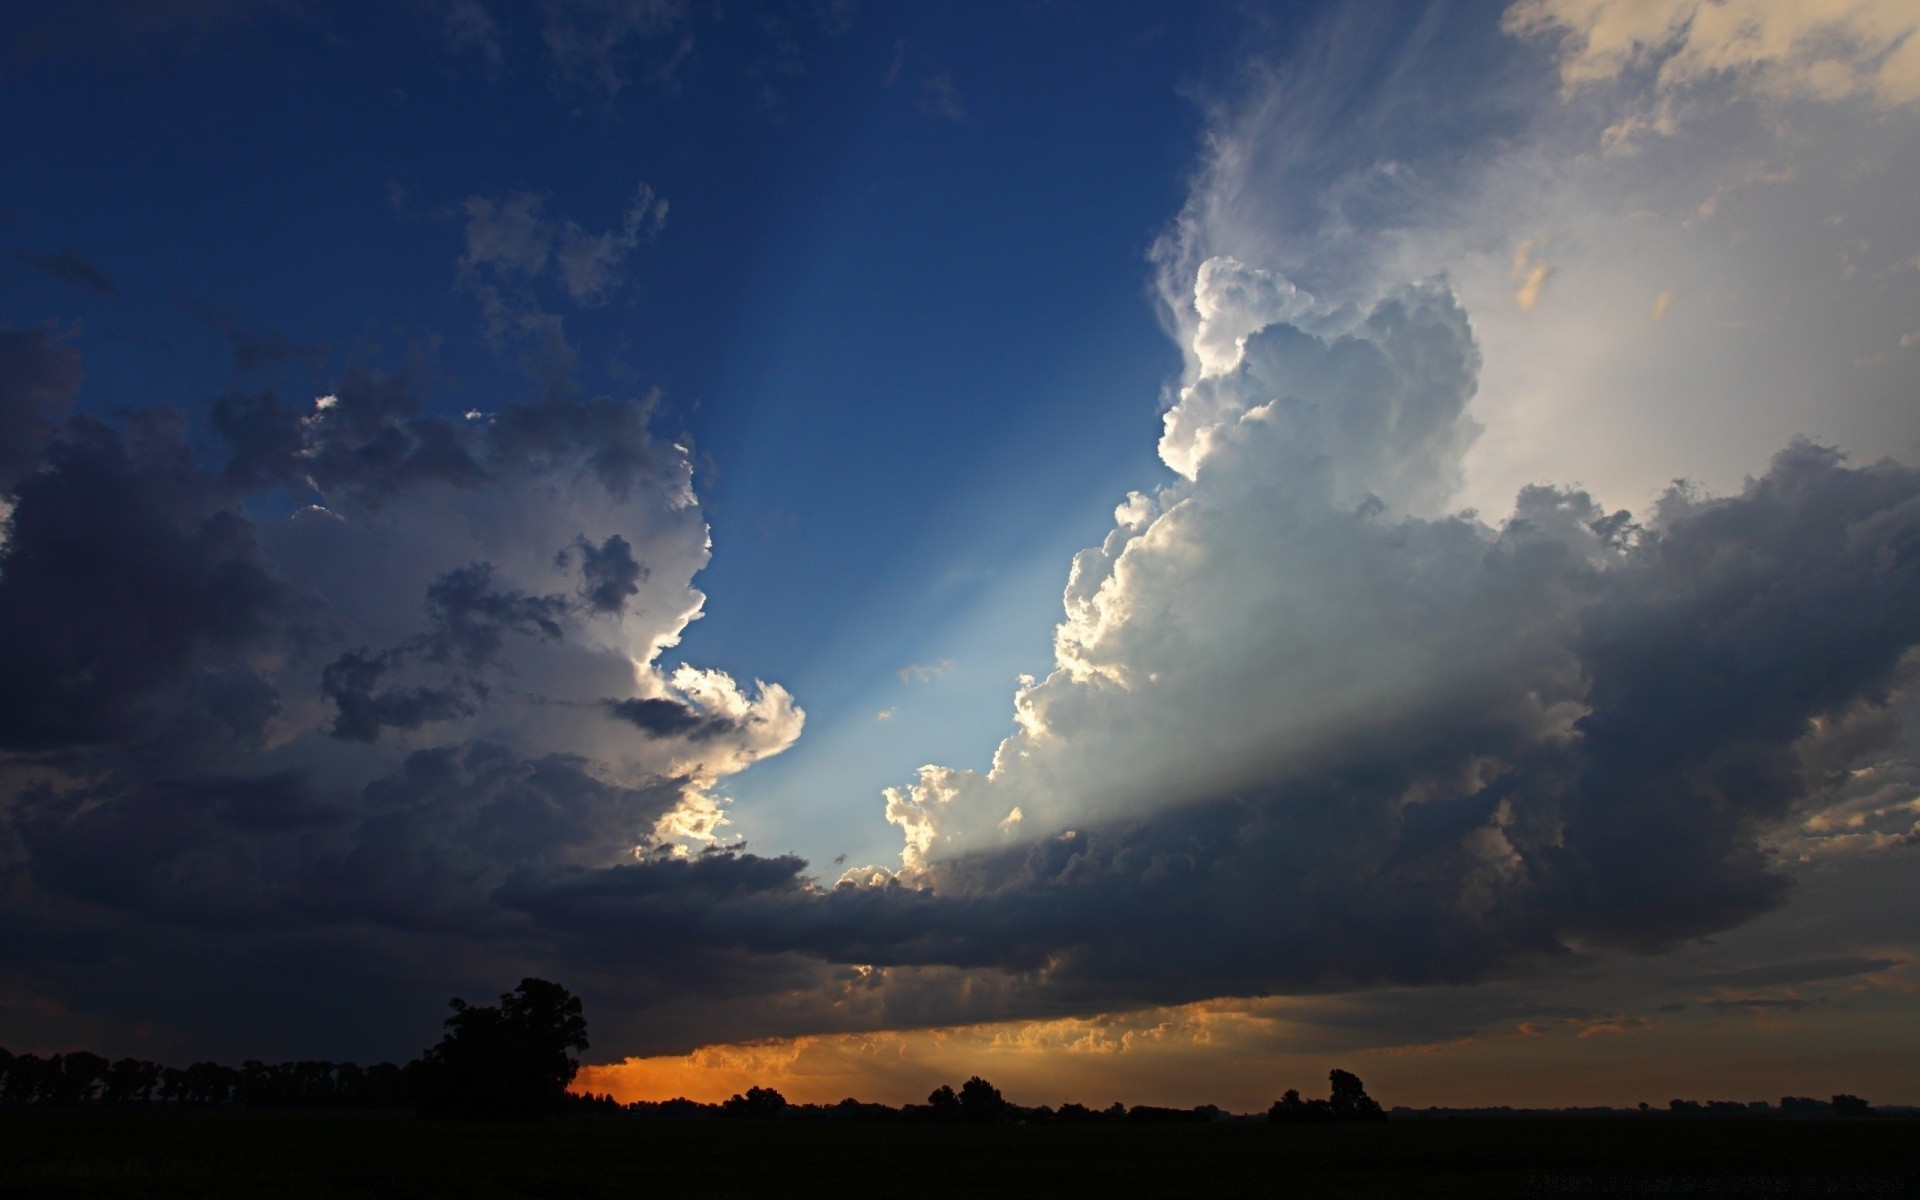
(1530, 273)
(1819, 49)
(1660, 303)
(1241, 1054)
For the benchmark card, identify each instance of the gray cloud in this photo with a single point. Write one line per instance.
(38, 379)
(256, 350)
(468, 622)
(593, 42)
(70, 268)
(471, 29)
(512, 245)
(1811, 971)
(239, 743)
(609, 574)
(126, 571)
(668, 718)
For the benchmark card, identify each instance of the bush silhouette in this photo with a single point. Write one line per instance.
(759, 1104)
(1348, 1102)
(513, 1060)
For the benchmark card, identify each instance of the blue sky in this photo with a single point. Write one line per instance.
(1383, 526)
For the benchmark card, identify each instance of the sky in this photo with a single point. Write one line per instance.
(1143, 550)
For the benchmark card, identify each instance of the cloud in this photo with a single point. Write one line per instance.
(1418, 748)
(468, 623)
(70, 268)
(471, 29)
(321, 684)
(255, 349)
(126, 574)
(515, 251)
(592, 42)
(39, 377)
(941, 98)
(924, 672)
(609, 574)
(514, 239)
(1803, 972)
(1572, 731)
(1532, 277)
(668, 718)
(367, 439)
(1614, 1026)
(1825, 50)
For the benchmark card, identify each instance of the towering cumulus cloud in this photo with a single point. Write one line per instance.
(1359, 739)
(1308, 729)
(348, 671)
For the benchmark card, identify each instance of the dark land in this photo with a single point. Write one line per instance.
(194, 1152)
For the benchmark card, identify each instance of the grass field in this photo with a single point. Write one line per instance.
(114, 1153)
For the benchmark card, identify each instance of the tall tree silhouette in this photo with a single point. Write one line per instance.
(511, 1060)
(981, 1102)
(1349, 1100)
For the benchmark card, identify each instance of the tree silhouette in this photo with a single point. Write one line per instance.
(981, 1102)
(513, 1060)
(759, 1104)
(1348, 1102)
(945, 1105)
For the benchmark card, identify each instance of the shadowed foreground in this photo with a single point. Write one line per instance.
(240, 1153)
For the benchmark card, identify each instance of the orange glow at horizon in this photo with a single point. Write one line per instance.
(1241, 1054)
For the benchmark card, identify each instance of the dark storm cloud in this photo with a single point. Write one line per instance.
(669, 718)
(38, 379)
(1727, 634)
(157, 846)
(468, 623)
(439, 835)
(364, 708)
(612, 435)
(369, 439)
(125, 567)
(70, 268)
(470, 618)
(221, 908)
(609, 574)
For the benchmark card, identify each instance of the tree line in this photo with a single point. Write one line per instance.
(978, 1102)
(517, 1059)
(83, 1078)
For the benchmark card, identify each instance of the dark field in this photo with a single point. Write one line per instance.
(226, 1153)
